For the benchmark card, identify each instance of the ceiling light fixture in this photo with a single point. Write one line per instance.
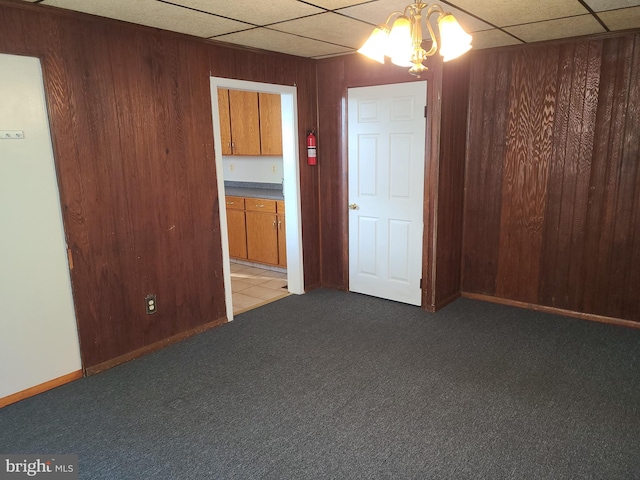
(402, 41)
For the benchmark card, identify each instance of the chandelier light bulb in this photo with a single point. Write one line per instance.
(401, 41)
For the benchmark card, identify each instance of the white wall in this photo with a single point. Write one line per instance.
(38, 334)
(253, 169)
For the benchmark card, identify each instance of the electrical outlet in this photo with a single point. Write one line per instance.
(231, 167)
(15, 134)
(274, 168)
(151, 305)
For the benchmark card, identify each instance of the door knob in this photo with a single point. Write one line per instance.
(353, 206)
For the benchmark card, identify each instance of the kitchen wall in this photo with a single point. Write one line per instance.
(552, 198)
(253, 169)
(132, 132)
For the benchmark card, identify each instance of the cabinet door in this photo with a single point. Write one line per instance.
(225, 120)
(262, 237)
(245, 122)
(282, 237)
(282, 242)
(270, 124)
(237, 233)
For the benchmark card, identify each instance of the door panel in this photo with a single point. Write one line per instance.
(386, 190)
(262, 237)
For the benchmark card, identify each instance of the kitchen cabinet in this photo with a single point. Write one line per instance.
(250, 123)
(263, 228)
(282, 237)
(236, 227)
(225, 120)
(270, 124)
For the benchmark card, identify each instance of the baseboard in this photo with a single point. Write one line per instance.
(558, 311)
(101, 367)
(43, 387)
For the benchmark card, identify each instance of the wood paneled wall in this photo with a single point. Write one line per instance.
(444, 166)
(553, 183)
(131, 123)
(451, 170)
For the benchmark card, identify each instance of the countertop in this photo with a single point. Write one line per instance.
(270, 191)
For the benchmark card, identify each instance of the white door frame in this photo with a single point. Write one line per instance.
(291, 173)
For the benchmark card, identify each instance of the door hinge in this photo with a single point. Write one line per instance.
(425, 111)
(420, 284)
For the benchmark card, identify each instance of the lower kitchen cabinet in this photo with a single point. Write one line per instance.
(262, 237)
(282, 237)
(236, 227)
(262, 223)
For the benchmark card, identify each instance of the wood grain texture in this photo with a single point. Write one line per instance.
(245, 122)
(568, 236)
(224, 113)
(453, 133)
(306, 84)
(132, 132)
(486, 150)
(525, 173)
(270, 124)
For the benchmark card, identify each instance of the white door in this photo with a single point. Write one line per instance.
(386, 190)
(38, 333)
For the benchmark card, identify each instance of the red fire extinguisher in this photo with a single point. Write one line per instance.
(312, 158)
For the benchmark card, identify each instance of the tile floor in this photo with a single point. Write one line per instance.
(253, 286)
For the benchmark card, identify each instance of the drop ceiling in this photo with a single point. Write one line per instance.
(325, 28)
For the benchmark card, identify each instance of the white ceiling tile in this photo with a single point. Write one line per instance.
(329, 27)
(621, 19)
(377, 12)
(601, 5)
(155, 14)
(492, 38)
(515, 12)
(306, 29)
(250, 11)
(560, 28)
(268, 39)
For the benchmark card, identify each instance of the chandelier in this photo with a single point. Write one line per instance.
(402, 41)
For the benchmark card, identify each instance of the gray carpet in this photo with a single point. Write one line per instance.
(345, 386)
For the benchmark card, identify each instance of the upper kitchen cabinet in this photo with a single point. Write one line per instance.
(270, 124)
(250, 123)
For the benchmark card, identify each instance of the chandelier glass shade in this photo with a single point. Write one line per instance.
(402, 41)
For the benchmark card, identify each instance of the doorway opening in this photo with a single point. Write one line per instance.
(290, 182)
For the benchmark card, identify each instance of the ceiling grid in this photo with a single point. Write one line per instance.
(325, 28)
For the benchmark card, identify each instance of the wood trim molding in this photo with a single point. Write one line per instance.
(100, 367)
(558, 311)
(43, 387)
(446, 301)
